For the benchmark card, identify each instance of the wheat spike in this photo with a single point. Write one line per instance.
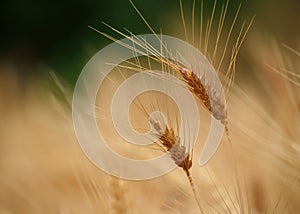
(209, 97)
(178, 153)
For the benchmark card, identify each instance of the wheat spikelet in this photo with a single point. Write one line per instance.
(208, 97)
(172, 145)
(178, 152)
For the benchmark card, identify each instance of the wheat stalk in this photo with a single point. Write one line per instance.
(119, 203)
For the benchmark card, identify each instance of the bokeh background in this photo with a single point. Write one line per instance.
(43, 47)
(56, 33)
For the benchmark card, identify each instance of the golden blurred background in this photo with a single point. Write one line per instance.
(45, 45)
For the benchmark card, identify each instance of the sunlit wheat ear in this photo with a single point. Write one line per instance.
(208, 97)
(201, 87)
(198, 85)
(178, 152)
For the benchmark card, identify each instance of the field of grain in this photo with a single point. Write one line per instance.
(256, 169)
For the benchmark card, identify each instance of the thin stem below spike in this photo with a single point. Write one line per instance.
(193, 189)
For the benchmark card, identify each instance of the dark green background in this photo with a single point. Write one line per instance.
(56, 33)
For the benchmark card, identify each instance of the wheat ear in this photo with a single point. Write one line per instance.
(170, 143)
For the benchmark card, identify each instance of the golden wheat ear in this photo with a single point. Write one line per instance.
(203, 89)
(178, 152)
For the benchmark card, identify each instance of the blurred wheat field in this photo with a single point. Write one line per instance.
(43, 169)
